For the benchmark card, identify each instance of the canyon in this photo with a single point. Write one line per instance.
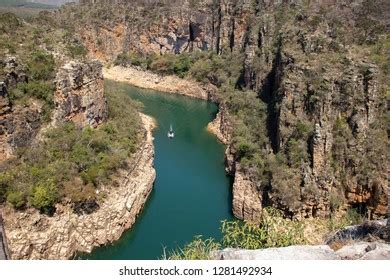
(320, 144)
(323, 101)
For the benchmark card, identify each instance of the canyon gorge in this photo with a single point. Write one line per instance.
(301, 86)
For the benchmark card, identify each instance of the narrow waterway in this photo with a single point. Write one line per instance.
(191, 193)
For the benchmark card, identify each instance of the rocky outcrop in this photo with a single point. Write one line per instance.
(4, 254)
(18, 123)
(5, 110)
(222, 126)
(201, 25)
(343, 113)
(368, 231)
(168, 84)
(358, 251)
(247, 200)
(79, 96)
(32, 235)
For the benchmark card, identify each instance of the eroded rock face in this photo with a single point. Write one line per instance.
(79, 96)
(24, 124)
(5, 110)
(32, 235)
(344, 114)
(183, 28)
(247, 199)
(222, 126)
(369, 230)
(339, 103)
(18, 123)
(14, 71)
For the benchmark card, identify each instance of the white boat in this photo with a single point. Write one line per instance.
(171, 134)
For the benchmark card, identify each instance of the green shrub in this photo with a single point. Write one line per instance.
(380, 53)
(198, 249)
(303, 129)
(296, 152)
(9, 23)
(41, 66)
(17, 199)
(125, 59)
(201, 70)
(77, 50)
(172, 64)
(39, 90)
(245, 148)
(272, 230)
(5, 181)
(44, 195)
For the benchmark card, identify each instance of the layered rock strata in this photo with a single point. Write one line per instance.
(183, 27)
(79, 95)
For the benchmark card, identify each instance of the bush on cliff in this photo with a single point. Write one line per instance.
(41, 66)
(44, 195)
(17, 199)
(76, 50)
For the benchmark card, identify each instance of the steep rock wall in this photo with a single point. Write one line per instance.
(339, 102)
(18, 123)
(147, 28)
(79, 96)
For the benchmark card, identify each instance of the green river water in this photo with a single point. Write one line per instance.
(192, 193)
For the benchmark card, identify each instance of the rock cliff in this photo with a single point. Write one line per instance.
(323, 113)
(79, 96)
(19, 123)
(325, 99)
(32, 235)
(147, 27)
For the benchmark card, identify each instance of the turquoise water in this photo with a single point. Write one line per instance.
(191, 193)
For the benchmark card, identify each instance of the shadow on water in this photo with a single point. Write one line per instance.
(192, 193)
